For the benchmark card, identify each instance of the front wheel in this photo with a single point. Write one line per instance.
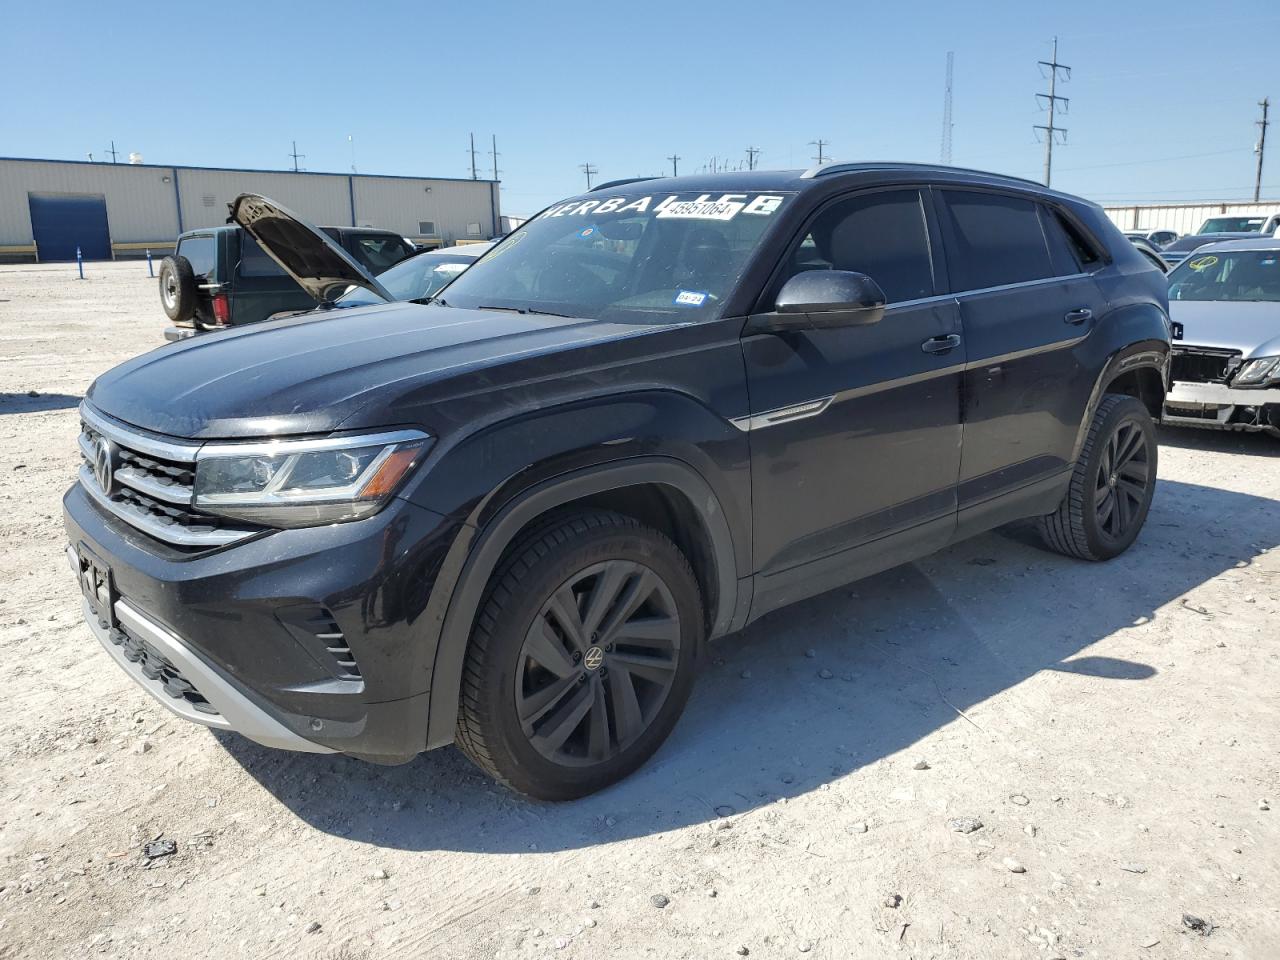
(1111, 487)
(582, 655)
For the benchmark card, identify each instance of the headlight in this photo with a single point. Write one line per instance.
(303, 483)
(1258, 372)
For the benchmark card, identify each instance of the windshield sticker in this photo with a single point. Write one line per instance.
(690, 298)
(1203, 263)
(704, 207)
(586, 233)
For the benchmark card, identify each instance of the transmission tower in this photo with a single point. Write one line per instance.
(590, 171)
(474, 174)
(112, 151)
(1050, 102)
(494, 153)
(820, 144)
(1265, 104)
(945, 154)
(296, 157)
(752, 153)
(675, 164)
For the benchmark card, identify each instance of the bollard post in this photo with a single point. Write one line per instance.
(150, 272)
(80, 263)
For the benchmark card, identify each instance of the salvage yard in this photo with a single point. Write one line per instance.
(994, 752)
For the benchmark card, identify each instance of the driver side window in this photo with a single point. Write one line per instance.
(884, 235)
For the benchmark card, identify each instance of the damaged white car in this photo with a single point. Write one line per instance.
(1224, 301)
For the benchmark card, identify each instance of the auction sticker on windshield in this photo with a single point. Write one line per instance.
(703, 207)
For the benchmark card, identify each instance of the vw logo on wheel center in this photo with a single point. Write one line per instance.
(104, 456)
(593, 658)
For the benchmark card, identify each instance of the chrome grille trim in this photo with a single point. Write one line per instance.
(151, 524)
(145, 483)
(141, 442)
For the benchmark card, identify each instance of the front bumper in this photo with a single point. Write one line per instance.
(227, 622)
(1219, 406)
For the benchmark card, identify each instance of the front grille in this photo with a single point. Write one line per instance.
(150, 484)
(1202, 365)
(155, 666)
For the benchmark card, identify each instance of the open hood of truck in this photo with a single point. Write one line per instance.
(320, 266)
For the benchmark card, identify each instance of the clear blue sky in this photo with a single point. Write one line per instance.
(1163, 95)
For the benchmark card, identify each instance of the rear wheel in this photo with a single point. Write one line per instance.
(177, 289)
(582, 656)
(1111, 487)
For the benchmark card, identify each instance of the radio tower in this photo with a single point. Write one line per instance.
(945, 153)
(1051, 101)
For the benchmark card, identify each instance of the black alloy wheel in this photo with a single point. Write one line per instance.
(597, 663)
(1121, 489)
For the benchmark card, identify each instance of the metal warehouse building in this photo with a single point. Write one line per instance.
(1185, 217)
(110, 210)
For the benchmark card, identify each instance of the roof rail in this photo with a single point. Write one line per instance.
(619, 183)
(830, 168)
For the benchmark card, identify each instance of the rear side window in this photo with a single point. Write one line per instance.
(884, 235)
(201, 251)
(254, 261)
(379, 253)
(995, 240)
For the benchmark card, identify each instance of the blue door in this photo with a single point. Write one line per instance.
(60, 222)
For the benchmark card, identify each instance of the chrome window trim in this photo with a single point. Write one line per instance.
(125, 437)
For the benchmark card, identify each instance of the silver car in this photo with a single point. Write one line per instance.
(1224, 301)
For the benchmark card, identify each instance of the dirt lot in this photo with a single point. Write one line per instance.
(1113, 727)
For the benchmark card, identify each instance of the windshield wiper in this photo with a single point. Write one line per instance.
(529, 310)
(436, 300)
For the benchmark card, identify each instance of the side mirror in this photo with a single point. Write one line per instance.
(819, 299)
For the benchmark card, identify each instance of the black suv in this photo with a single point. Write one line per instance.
(512, 517)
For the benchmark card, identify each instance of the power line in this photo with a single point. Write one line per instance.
(1050, 102)
(494, 153)
(752, 153)
(1265, 104)
(296, 157)
(474, 174)
(675, 164)
(820, 144)
(945, 152)
(112, 151)
(590, 171)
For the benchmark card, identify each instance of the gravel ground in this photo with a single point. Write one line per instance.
(1107, 734)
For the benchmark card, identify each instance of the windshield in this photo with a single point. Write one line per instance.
(1231, 224)
(1234, 275)
(631, 258)
(412, 279)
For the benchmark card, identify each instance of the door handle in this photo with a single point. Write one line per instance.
(943, 344)
(1078, 315)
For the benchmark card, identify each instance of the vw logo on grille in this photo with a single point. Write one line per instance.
(104, 464)
(593, 658)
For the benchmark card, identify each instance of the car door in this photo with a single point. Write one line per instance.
(855, 431)
(1026, 304)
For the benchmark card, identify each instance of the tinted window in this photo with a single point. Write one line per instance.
(254, 261)
(883, 235)
(201, 251)
(995, 240)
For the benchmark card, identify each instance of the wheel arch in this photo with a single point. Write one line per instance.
(662, 492)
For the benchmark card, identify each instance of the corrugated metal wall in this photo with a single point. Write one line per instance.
(143, 200)
(1183, 217)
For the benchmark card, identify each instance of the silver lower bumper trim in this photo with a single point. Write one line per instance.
(235, 711)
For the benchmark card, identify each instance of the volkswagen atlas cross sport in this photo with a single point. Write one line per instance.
(513, 516)
(1224, 302)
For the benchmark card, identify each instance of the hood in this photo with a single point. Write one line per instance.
(1227, 325)
(313, 373)
(320, 266)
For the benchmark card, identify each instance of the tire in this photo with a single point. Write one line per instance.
(177, 289)
(534, 654)
(1105, 507)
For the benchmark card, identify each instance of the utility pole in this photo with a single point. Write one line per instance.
(474, 175)
(112, 151)
(590, 171)
(820, 144)
(752, 153)
(1265, 104)
(494, 153)
(296, 157)
(675, 164)
(1050, 102)
(945, 153)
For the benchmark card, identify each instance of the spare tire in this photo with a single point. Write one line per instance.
(177, 288)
